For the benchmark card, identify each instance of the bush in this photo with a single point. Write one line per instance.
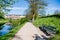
(23, 20)
(14, 22)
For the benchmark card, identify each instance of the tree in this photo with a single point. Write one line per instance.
(34, 6)
(1, 14)
(42, 12)
(4, 4)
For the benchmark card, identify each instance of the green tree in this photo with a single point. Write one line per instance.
(1, 14)
(4, 4)
(42, 12)
(34, 6)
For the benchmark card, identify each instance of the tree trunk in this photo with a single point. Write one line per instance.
(33, 18)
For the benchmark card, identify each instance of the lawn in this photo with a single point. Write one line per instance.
(53, 21)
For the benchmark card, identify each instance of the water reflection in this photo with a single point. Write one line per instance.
(6, 28)
(1, 25)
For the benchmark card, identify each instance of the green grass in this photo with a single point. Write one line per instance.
(2, 21)
(53, 21)
(11, 34)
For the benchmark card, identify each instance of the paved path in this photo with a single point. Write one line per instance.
(27, 32)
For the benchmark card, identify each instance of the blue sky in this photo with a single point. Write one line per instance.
(52, 6)
(21, 6)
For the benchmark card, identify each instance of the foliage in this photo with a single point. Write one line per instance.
(17, 22)
(6, 3)
(14, 22)
(3, 21)
(34, 6)
(54, 15)
(48, 21)
(3, 6)
(1, 15)
(23, 20)
(42, 12)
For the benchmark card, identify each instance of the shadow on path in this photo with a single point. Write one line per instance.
(16, 36)
(37, 37)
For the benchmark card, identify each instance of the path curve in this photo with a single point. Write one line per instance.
(27, 32)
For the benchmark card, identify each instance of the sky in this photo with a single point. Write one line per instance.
(20, 7)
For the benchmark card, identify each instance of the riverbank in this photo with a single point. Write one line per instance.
(3, 22)
(11, 34)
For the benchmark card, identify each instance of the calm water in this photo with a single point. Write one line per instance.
(6, 28)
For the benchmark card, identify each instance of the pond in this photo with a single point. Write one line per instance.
(6, 29)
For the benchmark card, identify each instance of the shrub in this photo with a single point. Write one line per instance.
(23, 20)
(14, 22)
(17, 22)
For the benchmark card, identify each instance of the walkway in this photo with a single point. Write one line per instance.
(27, 32)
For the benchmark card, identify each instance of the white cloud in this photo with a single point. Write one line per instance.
(16, 8)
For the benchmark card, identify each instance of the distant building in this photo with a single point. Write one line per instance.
(13, 16)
